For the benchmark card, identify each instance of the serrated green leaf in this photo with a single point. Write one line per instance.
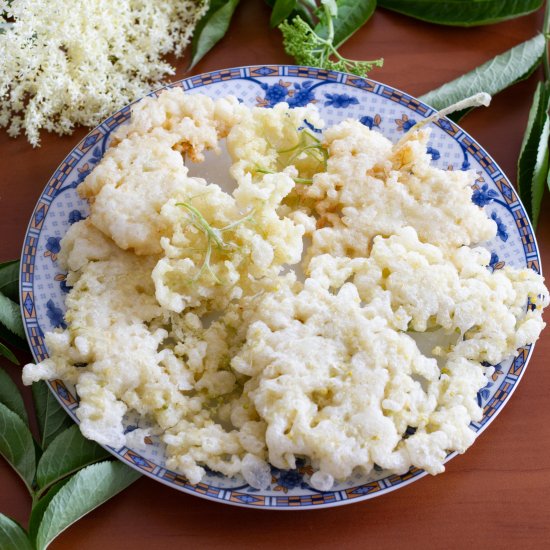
(11, 396)
(52, 419)
(352, 15)
(462, 13)
(39, 508)
(86, 490)
(12, 535)
(68, 452)
(16, 445)
(492, 77)
(10, 316)
(211, 28)
(281, 10)
(533, 158)
(9, 280)
(538, 114)
(540, 173)
(8, 354)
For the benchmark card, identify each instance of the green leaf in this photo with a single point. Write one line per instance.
(16, 445)
(10, 316)
(86, 490)
(39, 508)
(9, 280)
(462, 13)
(352, 15)
(304, 14)
(9, 288)
(309, 4)
(540, 173)
(8, 354)
(304, 9)
(533, 158)
(281, 10)
(68, 452)
(491, 77)
(11, 396)
(12, 535)
(211, 28)
(52, 419)
(12, 339)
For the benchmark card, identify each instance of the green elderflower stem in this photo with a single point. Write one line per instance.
(212, 234)
(261, 170)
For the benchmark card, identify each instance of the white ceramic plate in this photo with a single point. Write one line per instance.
(338, 96)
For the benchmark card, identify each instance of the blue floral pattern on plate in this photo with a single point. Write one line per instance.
(434, 153)
(482, 196)
(502, 232)
(404, 124)
(340, 101)
(371, 121)
(53, 248)
(338, 96)
(55, 315)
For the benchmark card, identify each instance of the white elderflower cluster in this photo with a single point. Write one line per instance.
(64, 64)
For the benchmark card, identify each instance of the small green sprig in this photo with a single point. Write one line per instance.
(305, 181)
(214, 237)
(308, 48)
(307, 144)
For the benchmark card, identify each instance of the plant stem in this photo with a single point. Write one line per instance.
(305, 181)
(212, 234)
(330, 25)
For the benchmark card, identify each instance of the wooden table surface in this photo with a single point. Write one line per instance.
(497, 495)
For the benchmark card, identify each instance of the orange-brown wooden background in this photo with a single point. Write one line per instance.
(497, 495)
